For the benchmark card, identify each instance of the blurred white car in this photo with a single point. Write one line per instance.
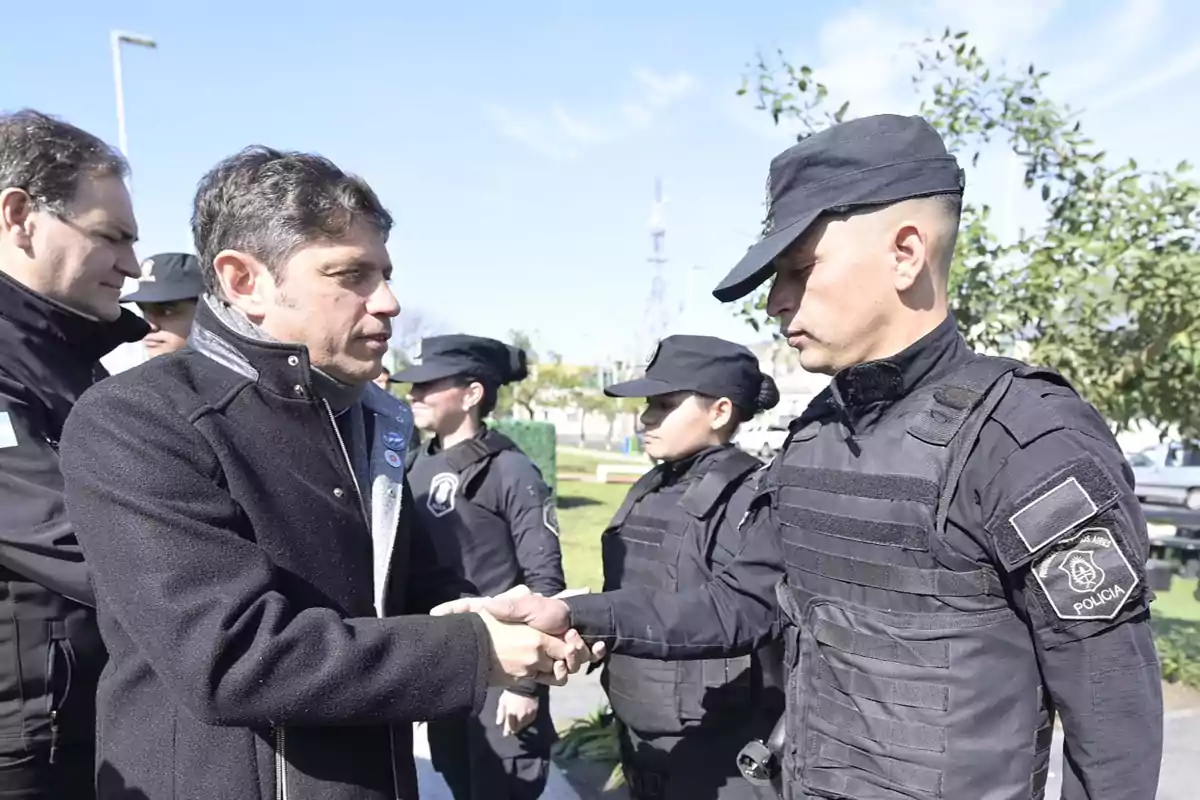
(762, 436)
(1168, 474)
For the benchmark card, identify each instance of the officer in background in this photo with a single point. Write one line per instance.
(964, 554)
(169, 287)
(492, 517)
(681, 724)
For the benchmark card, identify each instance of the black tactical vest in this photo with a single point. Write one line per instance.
(659, 540)
(475, 540)
(909, 676)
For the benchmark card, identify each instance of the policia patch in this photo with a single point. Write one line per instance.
(1086, 576)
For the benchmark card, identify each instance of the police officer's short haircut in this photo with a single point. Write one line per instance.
(950, 206)
(491, 394)
(269, 203)
(47, 158)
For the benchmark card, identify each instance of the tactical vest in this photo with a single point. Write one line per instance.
(909, 676)
(482, 543)
(658, 540)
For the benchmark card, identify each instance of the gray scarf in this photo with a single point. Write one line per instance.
(340, 396)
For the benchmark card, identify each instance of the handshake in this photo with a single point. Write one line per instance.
(530, 635)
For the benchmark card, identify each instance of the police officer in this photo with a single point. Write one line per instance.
(964, 554)
(169, 286)
(681, 724)
(493, 518)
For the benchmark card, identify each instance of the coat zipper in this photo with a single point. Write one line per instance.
(362, 505)
(281, 785)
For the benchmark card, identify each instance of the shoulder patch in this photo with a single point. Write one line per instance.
(550, 516)
(442, 492)
(1053, 508)
(1087, 576)
(8, 434)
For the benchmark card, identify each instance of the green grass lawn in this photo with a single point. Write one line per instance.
(585, 463)
(584, 509)
(1179, 603)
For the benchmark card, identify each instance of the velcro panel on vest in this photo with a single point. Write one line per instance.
(1069, 498)
(853, 721)
(935, 654)
(952, 402)
(703, 496)
(892, 577)
(885, 690)
(891, 534)
(918, 780)
(861, 484)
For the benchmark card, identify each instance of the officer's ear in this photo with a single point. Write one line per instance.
(473, 395)
(910, 254)
(16, 206)
(720, 413)
(245, 283)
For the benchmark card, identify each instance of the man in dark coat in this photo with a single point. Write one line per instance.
(244, 507)
(66, 247)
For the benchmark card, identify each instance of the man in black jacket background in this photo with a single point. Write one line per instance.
(66, 246)
(244, 508)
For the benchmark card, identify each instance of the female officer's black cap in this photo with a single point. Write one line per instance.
(488, 360)
(705, 365)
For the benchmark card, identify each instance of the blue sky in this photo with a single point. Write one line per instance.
(517, 144)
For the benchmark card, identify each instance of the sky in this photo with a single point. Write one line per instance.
(517, 145)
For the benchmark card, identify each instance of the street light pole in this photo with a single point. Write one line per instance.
(117, 38)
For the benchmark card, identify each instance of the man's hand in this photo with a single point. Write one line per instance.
(519, 651)
(467, 605)
(546, 614)
(515, 712)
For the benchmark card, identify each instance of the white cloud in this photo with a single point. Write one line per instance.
(1178, 66)
(1112, 44)
(563, 133)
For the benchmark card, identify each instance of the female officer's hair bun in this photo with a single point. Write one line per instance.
(768, 394)
(518, 368)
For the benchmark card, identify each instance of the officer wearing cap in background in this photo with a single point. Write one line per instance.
(683, 581)
(492, 517)
(681, 724)
(168, 288)
(963, 552)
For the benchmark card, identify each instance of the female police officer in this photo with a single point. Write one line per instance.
(492, 517)
(681, 724)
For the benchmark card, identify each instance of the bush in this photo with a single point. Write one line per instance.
(1178, 643)
(594, 738)
(538, 440)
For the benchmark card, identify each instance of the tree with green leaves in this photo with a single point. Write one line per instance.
(1106, 291)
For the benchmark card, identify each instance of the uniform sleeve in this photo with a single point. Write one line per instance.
(430, 582)
(1069, 534)
(37, 540)
(529, 509)
(210, 611)
(734, 613)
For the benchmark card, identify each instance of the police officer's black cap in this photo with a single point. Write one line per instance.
(704, 365)
(865, 162)
(166, 278)
(458, 355)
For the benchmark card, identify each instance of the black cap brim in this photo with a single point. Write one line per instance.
(425, 373)
(642, 387)
(757, 265)
(163, 293)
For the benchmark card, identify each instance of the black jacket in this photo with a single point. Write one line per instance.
(51, 654)
(238, 590)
